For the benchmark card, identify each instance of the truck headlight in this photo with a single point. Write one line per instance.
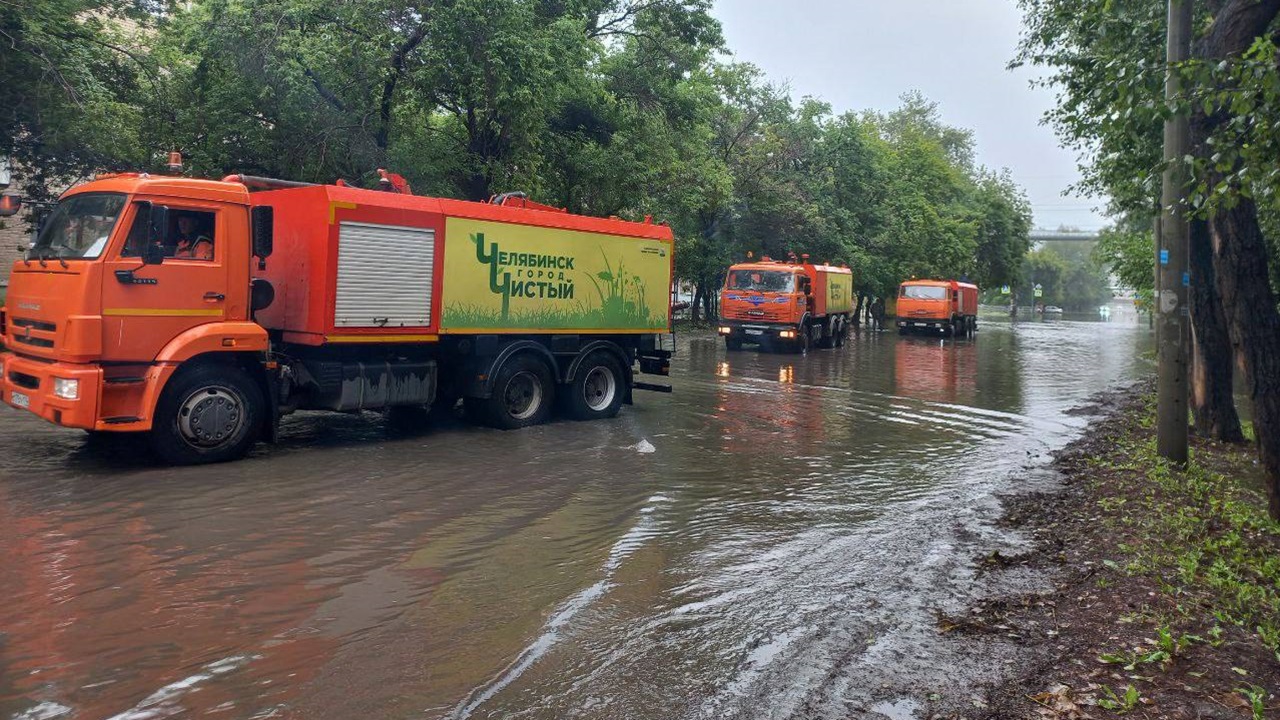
(726, 330)
(66, 389)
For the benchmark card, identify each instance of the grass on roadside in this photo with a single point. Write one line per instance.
(1202, 538)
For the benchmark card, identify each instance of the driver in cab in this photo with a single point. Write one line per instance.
(191, 243)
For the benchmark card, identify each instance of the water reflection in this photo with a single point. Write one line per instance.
(936, 369)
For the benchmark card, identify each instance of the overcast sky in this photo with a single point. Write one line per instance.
(863, 54)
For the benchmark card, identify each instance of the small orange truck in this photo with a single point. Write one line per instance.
(948, 307)
(786, 304)
(201, 311)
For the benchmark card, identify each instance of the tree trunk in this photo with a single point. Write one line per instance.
(1212, 402)
(1240, 262)
(697, 301)
(857, 312)
(1240, 257)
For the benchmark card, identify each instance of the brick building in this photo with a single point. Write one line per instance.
(14, 231)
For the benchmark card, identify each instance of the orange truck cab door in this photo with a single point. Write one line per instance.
(182, 263)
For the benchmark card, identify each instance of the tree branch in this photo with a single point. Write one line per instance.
(324, 92)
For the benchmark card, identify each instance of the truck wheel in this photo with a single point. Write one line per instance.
(207, 414)
(825, 334)
(597, 388)
(522, 395)
(732, 343)
(803, 341)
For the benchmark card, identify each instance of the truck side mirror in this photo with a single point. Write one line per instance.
(145, 239)
(263, 229)
(152, 254)
(159, 224)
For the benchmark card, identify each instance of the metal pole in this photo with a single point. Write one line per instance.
(1174, 320)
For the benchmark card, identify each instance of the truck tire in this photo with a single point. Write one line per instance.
(207, 414)
(522, 395)
(803, 341)
(732, 343)
(826, 333)
(597, 388)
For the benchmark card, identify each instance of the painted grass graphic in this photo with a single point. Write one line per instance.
(622, 305)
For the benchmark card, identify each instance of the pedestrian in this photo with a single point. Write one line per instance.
(877, 313)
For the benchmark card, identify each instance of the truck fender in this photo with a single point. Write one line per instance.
(591, 347)
(219, 337)
(611, 347)
(212, 340)
(484, 388)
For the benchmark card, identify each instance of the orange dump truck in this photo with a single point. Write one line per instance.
(201, 311)
(789, 305)
(948, 307)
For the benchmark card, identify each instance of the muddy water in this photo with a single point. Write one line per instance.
(772, 540)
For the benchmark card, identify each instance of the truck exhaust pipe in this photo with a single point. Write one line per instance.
(253, 182)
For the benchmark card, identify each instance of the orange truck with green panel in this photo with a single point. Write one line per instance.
(946, 307)
(787, 305)
(200, 312)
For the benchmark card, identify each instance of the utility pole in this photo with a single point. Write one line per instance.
(1173, 323)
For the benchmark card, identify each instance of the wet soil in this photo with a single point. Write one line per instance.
(1099, 609)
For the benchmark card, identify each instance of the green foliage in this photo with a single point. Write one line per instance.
(1068, 275)
(1257, 699)
(604, 107)
(1119, 704)
(1202, 536)
(70, 87)
(1128, 251)
(1106, 62)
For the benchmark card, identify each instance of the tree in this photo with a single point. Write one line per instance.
(1127, 249)
(1046, 269)
(69, 88)
(1107, 61)
(1004, 228)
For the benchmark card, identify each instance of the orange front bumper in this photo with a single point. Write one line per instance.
(28, 385)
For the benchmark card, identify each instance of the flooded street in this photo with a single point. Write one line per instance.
(770, 541)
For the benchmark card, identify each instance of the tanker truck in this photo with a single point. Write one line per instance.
(787, 305)
(200, 312)
(948, 307)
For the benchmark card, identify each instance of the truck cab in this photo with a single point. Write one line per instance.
(110, 299)
(946, 307)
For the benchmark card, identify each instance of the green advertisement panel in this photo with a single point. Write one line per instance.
(839, 293)
(500, 276)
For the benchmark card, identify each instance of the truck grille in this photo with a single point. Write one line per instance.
(34, 341)
(22, 330)
(34, 324)
(24, 380)
(762, 314)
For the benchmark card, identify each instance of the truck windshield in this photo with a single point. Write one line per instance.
(79, 226)
(924, 292)
(761, 281)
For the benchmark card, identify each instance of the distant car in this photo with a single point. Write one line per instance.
(1052, 310)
